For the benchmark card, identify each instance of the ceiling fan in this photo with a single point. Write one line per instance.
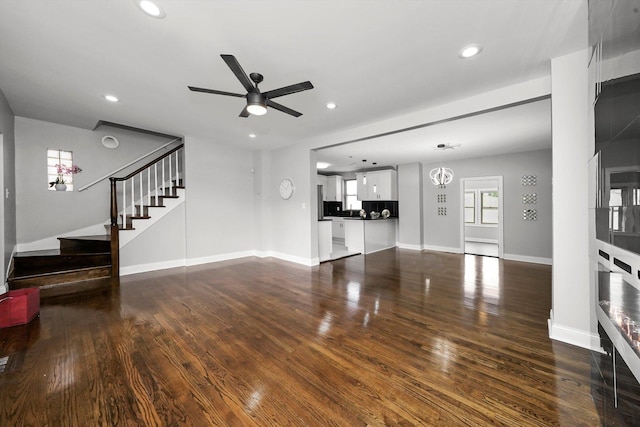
(257, 102)
(446, 146)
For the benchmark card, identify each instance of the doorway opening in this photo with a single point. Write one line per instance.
(481, 228)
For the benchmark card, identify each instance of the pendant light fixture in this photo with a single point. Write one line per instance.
(441, 176)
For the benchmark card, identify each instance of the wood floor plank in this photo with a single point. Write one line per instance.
(395, 338)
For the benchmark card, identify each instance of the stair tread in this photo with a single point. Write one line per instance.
(99, 237)
(55, 253)
(58, 272)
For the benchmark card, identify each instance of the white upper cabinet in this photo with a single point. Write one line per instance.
(334, 188)
(322, 180)
(331, 187)
(378, 185)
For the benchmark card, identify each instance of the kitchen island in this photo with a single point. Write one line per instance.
(370, 235)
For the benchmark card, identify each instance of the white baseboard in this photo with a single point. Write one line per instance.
(443, 249)
(531, 259)
(292, 258)
(481, 240)
(409, 246)
(577, 337)
(220, 257)
(143, 268)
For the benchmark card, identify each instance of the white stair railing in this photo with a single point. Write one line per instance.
(146, 186)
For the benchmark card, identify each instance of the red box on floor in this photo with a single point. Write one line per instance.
(19, 307)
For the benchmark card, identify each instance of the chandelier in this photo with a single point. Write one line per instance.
(441, 176)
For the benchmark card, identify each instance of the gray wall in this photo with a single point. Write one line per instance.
(7, 203)
(219, 202)
(410, 195)
(526, 240)
(42, 213)
(290, 224)
(161, 245)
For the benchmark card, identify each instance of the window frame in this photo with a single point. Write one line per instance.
(478, 207)
(354, 195)
(56, 156)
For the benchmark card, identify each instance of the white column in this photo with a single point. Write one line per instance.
(572, 314)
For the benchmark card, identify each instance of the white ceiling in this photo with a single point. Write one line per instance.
(524, 127)
(376, 59)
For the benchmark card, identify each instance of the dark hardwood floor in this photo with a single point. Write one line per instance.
(394, 338)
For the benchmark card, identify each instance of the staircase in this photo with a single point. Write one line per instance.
(84, 264)
(80, 265)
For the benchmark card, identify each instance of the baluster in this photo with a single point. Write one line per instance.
(141, 194)
(133, 198)
(163, 179)
(177, 170)
(157, 189)
(149, 186)
(124, 204)
(170, 177)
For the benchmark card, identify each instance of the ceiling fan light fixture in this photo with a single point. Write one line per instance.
(256, 104)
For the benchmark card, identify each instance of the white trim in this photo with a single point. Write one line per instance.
(500, 224)
(442, 249)
(409, 246)
(260, 254)
(292, 258)
(220, 257)
(525, 258)
(573, 336)
(628, 257)
(152, 266)
(481, 240)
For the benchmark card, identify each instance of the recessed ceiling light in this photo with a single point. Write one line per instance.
(252, 135)
(111, 98)
(151, 9)
(322, 165)
(470, 51)
(331, 105)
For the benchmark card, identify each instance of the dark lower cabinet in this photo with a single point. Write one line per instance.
(614, 389)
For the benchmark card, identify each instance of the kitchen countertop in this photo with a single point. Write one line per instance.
(354, 218)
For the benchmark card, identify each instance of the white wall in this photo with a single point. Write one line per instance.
(571, 316)
(43, 214)
(220, 205)
(523, 240)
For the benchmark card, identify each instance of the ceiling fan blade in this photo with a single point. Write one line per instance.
(244, 113)
(282, 108)
(233, 63)
(288, 90)
(216, 92)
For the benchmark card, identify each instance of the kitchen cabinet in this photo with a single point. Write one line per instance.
(322, 180)
(333, 188)
(379, 185)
